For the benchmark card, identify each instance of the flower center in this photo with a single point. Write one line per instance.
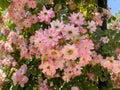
(53, 52)
(45, 13)
(70, 52)
(56, 26)
(69, 32)
(50, 37)
(77, 17)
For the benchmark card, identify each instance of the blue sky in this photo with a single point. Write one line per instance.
(114, 5)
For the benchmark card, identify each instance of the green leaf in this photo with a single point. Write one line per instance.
(4, 4)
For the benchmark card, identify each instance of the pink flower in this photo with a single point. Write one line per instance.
(71, 5)
(70, 52)
(2, 77)
(5, 31)
(2, 43)
(84, 61)
(82, 30)
(92, 26)
(104, 39)
(96, 58)
(34, 19)
(23, 69)
(23, 1)
(70, 32)
(74, 88)
(46, 15)
(12, 38)
(85, 47)
(43, 85)
(117, 49)
(66, 78)
(77, 19)
(118, 57)
(27, 23)
(24, 51)
(48, 68)
(23, 80)
(5, 47)
(18, 5)
(106, 13)
(77, 70)
(50, 38)
(59, 63)
(54, 54)
(97, 18)
(51, 2)
(91, 76)
(116, 67)
(7, 61)
(19, 77)
(8, 47)
(57, 25)
(22, 13)
(32, 4)
(15, 0)
(108, 63)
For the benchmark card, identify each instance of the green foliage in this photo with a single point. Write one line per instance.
(101, 80)
(112, 19)
(4, 4)
(106, 49)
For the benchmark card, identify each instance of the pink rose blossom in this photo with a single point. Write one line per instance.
(43, 85)
(32, 4)
(18, 5)
(57, 25)
(70, 52)
(98, 19)
(34, 19)
(82, 30)
(104, 39)
(92, 26)
(70, 32)
(117, 49)
(12, 38)
(74, 88)
(2, 77)
(91, 76)
(54, 54)
(46, 15)
(5, 31)
(19, 77)
(48, 68)
(27, 23)
(118, 57)
(85, 47)
(108, 63)
(23, 80)
(50, 38)
(77, 19)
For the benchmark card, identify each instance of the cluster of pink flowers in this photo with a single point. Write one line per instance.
(21, 17)
(115, 26)
(60, 46)
(43, 85)
(5, 58)
(75, 88)
(110, 63)
(19, 76)
(7, 61)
